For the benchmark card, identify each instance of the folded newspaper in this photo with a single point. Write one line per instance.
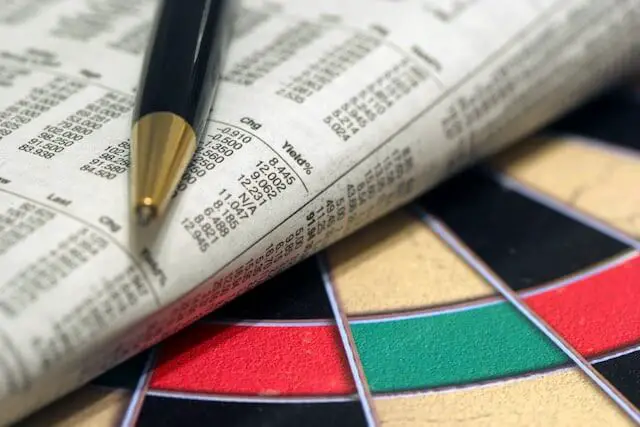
(330, 114)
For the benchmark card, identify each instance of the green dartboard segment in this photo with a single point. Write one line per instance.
(459, 347)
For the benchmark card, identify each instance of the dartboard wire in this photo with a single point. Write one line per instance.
(623, 351)
(423, 313)
(486, 301)
(545, 200)
(491, 382)
(135, 404)
(595, 269)
(476, 385)
(275, 400)
(303, 323)
(510, 295)
(348, 343)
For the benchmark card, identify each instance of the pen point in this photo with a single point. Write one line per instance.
(145, 214)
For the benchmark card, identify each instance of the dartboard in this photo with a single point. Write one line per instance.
(508, 295)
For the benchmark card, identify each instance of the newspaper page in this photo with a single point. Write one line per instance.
(329, 115)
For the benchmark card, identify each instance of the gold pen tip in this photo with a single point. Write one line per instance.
(162, 144)
(145, 213)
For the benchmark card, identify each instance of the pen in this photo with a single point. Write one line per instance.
(180, 75)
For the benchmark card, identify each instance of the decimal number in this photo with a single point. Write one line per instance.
(40, 152)
(113, 161)
(268, 180)
(217, 147)
(204, 237)
(214, 223)
(53, 140)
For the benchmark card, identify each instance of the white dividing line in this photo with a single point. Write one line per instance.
(348, 344)
(250, 399)
(449, 238)
(429, 313)
(488, 301)
(269, 323)
(475, 385)
(616, 354)
(503, 380)
(562, 208)
(133, 410)
(574, 278)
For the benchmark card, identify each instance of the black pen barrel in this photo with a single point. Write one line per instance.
(184, 59)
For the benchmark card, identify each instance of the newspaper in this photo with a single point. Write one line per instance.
(329, 115)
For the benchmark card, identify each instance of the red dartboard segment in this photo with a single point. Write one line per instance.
(254, 360)
(596, 314)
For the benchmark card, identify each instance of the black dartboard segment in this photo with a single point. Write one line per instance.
(623, 372)
(612, 118)
(162, 411)
(295, 294)
(524, 242)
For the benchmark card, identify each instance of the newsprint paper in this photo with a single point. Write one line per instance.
(329, 114)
